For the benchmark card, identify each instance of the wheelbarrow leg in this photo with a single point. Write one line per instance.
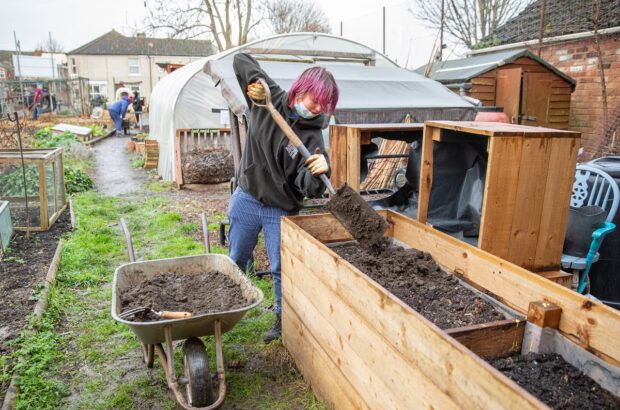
(148, 351)
(219, 359)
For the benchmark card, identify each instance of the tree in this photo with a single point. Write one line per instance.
(286, 16)
(469, 21)
(226, 22)
(51, 45)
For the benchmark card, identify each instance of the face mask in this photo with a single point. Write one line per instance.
(303, 111)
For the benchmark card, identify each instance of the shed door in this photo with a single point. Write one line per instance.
(535, 104)
(508, 92)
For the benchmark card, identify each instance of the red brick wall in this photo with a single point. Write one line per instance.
(578, 59)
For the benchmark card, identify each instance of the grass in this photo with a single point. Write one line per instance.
(78, 357)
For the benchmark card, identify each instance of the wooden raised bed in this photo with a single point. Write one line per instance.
(361, 347)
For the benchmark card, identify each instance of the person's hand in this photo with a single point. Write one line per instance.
(256, 92)
(317, 163)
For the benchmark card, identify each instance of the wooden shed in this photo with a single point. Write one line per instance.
(529, 89)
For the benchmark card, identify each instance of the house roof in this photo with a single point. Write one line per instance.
(562, 17)
(462, 70)
(115, 43)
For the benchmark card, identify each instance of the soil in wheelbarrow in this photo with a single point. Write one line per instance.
(416, 279)
(206, 292)
(555, 382)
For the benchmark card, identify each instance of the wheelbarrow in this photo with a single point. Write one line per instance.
(157, 337)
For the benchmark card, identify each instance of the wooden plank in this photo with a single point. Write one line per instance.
(558, 111)
(508, 92)
(426, 171)
(561, 91)
(559, 97)
(528, 208)
(500, 195)
(496, 129)
(43, 197)
(479, 88)
(316, 366)
(594, 325)
(363, 357)
(490, 340)
(178, 169)
(559, 105)
(461, 375)
(558, 276)
(552, 231)
(353, 158)
(482, 81)
(488, 95)
(338, 154)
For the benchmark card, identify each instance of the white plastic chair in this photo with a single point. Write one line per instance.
(592, 187)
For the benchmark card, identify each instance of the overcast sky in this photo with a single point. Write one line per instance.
(76, 22)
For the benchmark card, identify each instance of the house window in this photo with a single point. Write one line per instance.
(2, 73)
(73, 66)
(98, 89)
(134, 66)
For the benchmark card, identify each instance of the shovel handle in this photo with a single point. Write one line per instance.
(174, 315)
(288, 131)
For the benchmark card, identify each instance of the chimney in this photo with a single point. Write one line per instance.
(140, 35)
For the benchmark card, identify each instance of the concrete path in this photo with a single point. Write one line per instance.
(114, 175)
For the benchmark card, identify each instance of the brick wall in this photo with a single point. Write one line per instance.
(579, 60)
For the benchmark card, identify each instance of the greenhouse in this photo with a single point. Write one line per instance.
(373, 89)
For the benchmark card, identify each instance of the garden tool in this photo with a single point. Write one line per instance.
(351, 210)
(164, 314)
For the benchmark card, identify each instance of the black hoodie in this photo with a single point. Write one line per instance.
(271, 169)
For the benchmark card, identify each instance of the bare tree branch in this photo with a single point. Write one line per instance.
(286, 16)
(469, 21)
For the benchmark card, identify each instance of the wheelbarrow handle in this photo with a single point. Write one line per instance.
(174, 315)
(288, 131)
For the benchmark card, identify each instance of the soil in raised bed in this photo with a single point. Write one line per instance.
(206, 292)
(207, 166)
(416, 279)
(555, 382)
(22, 268)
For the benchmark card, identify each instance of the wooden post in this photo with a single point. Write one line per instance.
(544, 314)
(426, 173)
(43, 214)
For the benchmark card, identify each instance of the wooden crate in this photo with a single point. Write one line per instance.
(151, 154)
(361, 347)
(529, 178)
(345, 143)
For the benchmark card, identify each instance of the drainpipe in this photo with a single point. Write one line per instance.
(150, 77)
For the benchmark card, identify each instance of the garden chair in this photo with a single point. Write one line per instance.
(592, 187)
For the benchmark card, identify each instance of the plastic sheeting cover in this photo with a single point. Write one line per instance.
(361, 87)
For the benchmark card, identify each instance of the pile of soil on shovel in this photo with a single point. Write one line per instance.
(555, 382)
(416, 279)
(207, 292)
(207, 166)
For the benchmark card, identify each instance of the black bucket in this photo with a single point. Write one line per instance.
(582, 222)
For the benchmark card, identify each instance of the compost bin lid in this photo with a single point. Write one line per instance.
(609, 164)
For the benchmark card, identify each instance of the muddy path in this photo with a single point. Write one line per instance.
(114, 175)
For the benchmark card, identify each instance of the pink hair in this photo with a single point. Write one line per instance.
(321, 84)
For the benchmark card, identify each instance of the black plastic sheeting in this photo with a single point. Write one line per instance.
(455, 203)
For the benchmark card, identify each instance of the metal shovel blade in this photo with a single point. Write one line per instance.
(363, 222)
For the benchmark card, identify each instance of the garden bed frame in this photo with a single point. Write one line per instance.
(41, 157)
(361, 347)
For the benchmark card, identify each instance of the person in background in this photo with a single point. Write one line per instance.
(274, 178)
(137, 107)
(117, 112)
(37, 102)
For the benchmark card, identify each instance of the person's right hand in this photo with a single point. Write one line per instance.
(256, 92)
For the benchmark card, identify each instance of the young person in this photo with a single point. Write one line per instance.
(273, 177)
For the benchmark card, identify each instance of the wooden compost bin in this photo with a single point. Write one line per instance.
(361, 347)
(45, 180)
(528, 182)
(187, 139)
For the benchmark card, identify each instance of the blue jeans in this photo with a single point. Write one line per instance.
(118, 121)
(247, 217)
(36, 112)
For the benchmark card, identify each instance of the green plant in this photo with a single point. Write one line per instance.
(97, 130)
(77, 181)
(137, 161)
(44, 138)
(12, 183)
(142, 136)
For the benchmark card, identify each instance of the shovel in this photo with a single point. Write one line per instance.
(143, 311)
(363, 222)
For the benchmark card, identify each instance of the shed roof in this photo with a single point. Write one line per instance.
(462, 70)
(115, 43)
(562, 17)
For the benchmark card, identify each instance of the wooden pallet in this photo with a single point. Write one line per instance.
(361, 347)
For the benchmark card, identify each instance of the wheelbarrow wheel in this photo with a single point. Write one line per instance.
(196, 364)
